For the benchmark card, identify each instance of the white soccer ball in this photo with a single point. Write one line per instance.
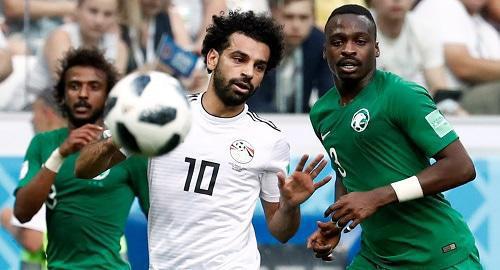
(148, 113)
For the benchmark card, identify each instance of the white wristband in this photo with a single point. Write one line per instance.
(55, 161)
(408, 189)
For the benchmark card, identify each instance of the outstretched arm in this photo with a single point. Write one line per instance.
(96, 158)
(283, 218)
(453, 168)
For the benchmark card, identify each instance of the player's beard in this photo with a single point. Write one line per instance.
(78, 122)
(226, 94)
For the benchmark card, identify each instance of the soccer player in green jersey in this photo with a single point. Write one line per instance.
(85, 218)
(380, 132)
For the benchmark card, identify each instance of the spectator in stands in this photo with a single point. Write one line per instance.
(323, 9)
(45, 16)
(145, 22)
(5, 58)
(197, 15)
(257, 6)
(471, 50)
(492, 13)
(95, 27)
(45, 113)
(407, 46)
(288, 88)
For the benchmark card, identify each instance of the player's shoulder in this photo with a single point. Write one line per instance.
(55, 133)
(261, 125)
(324, 104)
(393, 84)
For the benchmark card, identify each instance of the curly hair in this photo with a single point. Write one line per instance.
(85, 58)
(259, 27)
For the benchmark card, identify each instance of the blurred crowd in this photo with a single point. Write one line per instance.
(452, 47)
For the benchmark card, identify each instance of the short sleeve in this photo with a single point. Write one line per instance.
(279, 161)
(31, 164)
(138, 171)
(37, 222)
(414, 111)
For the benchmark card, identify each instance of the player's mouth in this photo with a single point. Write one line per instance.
(348, 65)
(242, 87)
(82, 108)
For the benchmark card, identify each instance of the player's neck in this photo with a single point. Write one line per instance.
(349, 89)
(71, 125)
(216, 107)
(390, 27)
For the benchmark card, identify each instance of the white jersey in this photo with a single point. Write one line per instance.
(203, 193)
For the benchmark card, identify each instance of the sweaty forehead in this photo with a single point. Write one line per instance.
(349, 23)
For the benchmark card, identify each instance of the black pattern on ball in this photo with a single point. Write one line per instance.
(110, 104)
(158, 115)
(171, 144)
(126, 138)
(140, 83)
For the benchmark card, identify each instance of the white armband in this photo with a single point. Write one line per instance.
(408, 189)
(55, 161)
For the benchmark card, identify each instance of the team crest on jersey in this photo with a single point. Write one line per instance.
(241, 151)
(360, 120)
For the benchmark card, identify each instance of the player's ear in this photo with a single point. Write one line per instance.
(377, 50)
(212, 59)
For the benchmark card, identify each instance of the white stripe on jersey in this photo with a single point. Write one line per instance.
(203, 193)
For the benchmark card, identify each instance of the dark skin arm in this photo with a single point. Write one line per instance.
(453, 168)
(30, 198)
(97, 157)
(324, 240)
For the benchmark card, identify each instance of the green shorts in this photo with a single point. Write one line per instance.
(470, 263)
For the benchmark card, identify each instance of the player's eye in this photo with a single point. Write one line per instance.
(73, 86)
(336, 43)
(261, 68)
(238, 59)
(361, 42)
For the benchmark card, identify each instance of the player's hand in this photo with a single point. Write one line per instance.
(300, 185)
(324, 240)
(80, 137)
(353, 207)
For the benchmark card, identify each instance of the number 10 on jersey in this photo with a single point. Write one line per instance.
(201, 173)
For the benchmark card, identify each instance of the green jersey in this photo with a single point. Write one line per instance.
(86, 218)
(387, 133)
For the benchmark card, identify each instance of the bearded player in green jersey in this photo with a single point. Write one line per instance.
(85, 218)
(380, 132)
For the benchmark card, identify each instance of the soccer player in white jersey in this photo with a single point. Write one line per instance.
(203, 193)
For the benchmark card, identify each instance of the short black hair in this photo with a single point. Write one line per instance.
(260, 27)
(353, 9)
(86, 58)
